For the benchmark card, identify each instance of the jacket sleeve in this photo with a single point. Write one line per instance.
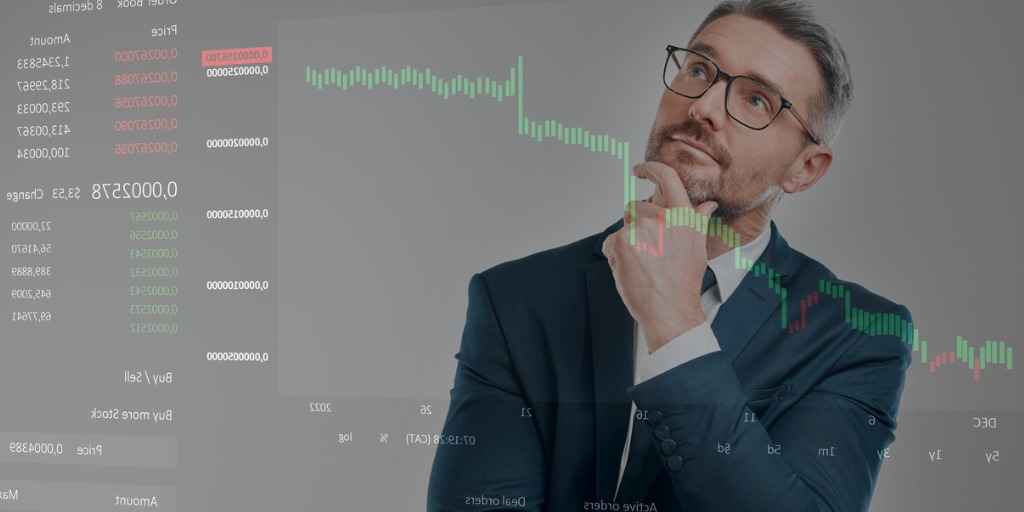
(823, 453)
(504, 467)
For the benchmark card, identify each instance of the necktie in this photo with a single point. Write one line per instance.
(708, 282)
(640, 448)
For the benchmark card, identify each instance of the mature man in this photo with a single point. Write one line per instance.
(712, 369)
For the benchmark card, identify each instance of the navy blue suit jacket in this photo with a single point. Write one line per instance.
(774, 421)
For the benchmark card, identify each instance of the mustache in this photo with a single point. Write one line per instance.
(693, 128)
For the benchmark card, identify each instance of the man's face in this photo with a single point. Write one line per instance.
(741, 169)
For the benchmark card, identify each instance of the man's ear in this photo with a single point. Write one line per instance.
(808, 167)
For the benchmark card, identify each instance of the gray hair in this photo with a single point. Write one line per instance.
(803, 24)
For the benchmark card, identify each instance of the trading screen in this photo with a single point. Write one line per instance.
(241, 233)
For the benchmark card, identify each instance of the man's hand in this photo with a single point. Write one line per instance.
(661, 293)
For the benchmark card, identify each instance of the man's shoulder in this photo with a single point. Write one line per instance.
(550, 263)
(549, 267)
(812, 275)
(876, 325)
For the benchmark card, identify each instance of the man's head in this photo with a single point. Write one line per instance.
(783, 44)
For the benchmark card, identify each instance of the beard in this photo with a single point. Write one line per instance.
(701, 189)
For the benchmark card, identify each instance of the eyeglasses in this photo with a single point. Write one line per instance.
(749, 102)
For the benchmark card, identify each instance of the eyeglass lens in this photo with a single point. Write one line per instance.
(749, 102)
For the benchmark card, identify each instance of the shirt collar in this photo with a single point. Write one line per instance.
(727, 275)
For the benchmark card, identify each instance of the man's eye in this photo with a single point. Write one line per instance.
(758, 102)
(696, 72)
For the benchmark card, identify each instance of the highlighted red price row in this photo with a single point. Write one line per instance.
(233, 56)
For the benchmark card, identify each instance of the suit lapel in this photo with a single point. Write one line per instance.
(611, 335)
(754, 300)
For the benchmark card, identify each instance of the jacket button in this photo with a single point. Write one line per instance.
(661, 432)
(654, 417)
(668, 447)
(675, 463)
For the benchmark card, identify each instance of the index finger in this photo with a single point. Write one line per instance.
(670, 191)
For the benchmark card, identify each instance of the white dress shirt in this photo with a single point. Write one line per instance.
(699, 340)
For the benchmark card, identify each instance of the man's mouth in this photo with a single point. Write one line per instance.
(691, 144)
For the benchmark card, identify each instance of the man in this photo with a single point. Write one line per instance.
(704, 371)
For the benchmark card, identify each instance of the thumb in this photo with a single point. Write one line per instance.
(704, 211)
(707, 208)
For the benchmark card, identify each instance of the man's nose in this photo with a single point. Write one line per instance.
(710, 107)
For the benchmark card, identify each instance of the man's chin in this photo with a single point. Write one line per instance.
(697, 181)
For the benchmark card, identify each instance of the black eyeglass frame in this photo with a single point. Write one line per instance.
(719, 74)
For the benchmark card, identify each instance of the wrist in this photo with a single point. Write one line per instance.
(659, 333)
